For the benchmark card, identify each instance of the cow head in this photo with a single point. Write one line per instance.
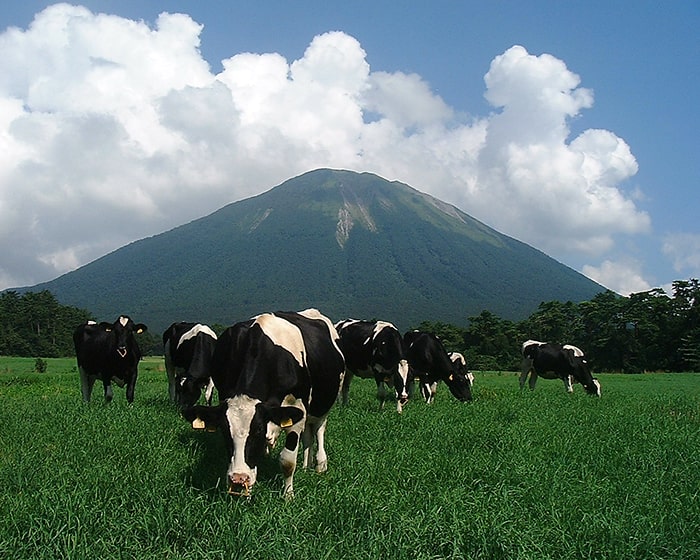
(188, 390)
(583, 375)
(460, 365)
(123, 330)
(582, 371)
(249, 427)
(460, 386)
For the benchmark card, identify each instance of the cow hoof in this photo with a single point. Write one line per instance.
(322, 467)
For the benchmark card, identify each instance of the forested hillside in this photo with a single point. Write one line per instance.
(648, 331)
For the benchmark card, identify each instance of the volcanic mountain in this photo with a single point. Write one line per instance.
(350, 244)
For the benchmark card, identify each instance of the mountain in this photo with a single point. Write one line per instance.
(350, 244)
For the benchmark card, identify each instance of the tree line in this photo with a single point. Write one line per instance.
(647, 331)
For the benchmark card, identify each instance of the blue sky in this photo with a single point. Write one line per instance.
(568, 125)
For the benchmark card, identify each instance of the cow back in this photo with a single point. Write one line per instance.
(324, 359)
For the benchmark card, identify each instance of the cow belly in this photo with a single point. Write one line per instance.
(548, 374)
(364, 373)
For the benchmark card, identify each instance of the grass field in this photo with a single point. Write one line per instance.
(534, 475)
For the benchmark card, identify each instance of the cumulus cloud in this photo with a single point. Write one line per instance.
(623, 277)
(684, 251)
(112, 130)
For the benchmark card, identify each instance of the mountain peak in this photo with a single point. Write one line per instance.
(350, 244)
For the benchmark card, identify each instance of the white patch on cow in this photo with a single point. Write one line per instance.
(123, 320)
(531, 343)
(457, 357)
(91, 322)
(577, 351)
(340, 325)
(284, 334)
(239, 413)
(194, 331)
(312, 313)
(380, 326)
(597, 386)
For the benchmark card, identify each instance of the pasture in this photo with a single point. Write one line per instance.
(512, 475)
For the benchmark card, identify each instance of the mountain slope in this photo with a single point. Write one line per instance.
(351, 244)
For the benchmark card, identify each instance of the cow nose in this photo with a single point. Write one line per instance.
(239, 485)
(122, 351)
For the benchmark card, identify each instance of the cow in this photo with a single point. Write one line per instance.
(374, 349)
(187, 350)
(430, 362)
(277, 371)
(108, 351)
(554, 361)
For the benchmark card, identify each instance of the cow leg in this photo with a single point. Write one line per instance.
(429, 390)
(314, 433)
(533, 380)
(433, 391)
(288, 458)
(568, 383)
(130, 388)
(106, 382)
(425, 390)
(86, 383)
(381, 393)
(525, 369)
(345, 389)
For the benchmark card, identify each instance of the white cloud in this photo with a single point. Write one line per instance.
(112, 130)
(623, 277)
(684, 251)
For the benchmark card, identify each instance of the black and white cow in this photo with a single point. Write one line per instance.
(277, 371)
(430, 362)
(108, 351)
(554, 361)
(188, 349)
(374, 349)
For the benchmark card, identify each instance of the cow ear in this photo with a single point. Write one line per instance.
(205, 416)
(140, 328)
(285, 416)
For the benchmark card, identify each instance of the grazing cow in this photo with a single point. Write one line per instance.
(108, 351)
(554, 361)
(374, 349)
(277, 371)
(430, 362)
(188, 349)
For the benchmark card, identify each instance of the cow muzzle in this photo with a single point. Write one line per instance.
(122, 351)
(239, 485)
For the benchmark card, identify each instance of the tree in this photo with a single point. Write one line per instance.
(492, 343)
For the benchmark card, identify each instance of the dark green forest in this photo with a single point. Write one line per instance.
(645, 332)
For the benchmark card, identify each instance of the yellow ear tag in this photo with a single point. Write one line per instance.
(198, 424)
(451, 377)
(286, 423)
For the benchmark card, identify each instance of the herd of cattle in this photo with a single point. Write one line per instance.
(283, 371)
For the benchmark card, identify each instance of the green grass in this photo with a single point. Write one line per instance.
(533, 475)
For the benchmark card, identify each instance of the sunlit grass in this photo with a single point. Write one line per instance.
(511, 475)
